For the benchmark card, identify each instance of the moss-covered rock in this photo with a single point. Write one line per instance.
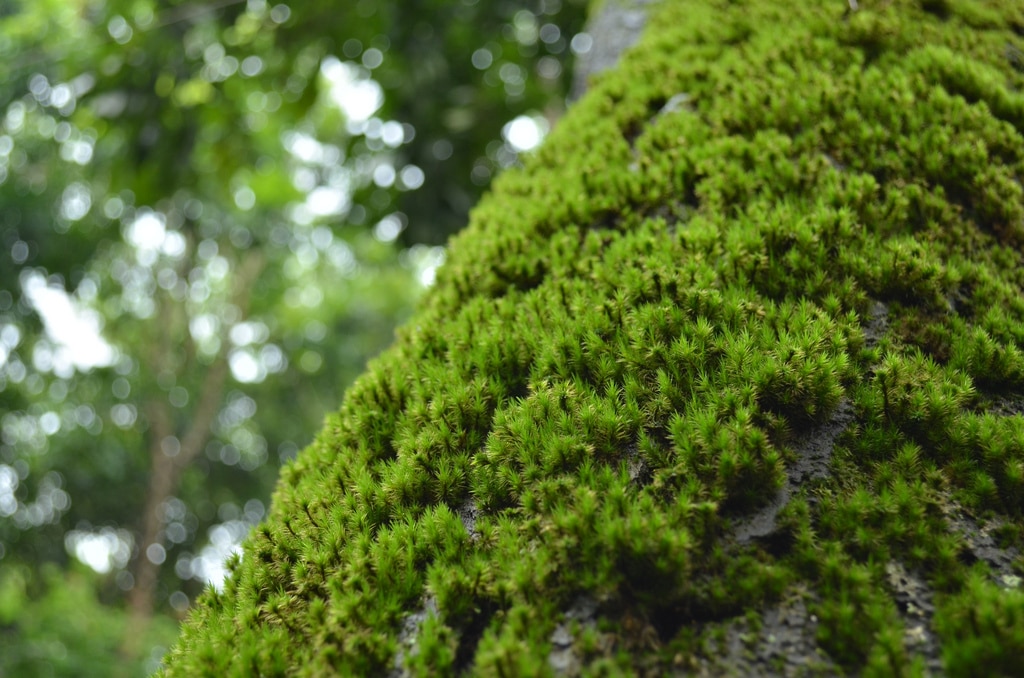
(728, 379)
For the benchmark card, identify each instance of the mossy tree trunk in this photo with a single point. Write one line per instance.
(728, 379)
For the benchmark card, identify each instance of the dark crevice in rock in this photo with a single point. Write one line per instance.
(522, 281)
(607, 220)
(668, 621)
(939, 8)
(469, 637)
(813, 451)
(632, 132)
(518, 390)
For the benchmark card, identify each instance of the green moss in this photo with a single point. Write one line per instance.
(772, 220)
(983, 630)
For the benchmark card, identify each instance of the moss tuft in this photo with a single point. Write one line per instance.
(738, 353)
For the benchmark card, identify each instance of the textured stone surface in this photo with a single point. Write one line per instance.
(614, 29)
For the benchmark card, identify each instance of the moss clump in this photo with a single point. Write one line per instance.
(744, 340)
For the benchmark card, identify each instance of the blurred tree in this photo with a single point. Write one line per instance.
(197, 201)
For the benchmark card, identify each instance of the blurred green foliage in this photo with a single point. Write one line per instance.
(211, 216)
(65, 629)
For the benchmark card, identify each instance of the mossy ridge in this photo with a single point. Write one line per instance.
(614, 362)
